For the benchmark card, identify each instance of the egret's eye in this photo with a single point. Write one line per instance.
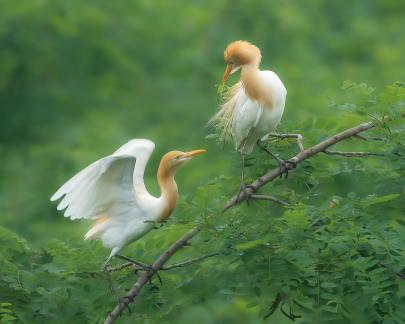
(177, 157)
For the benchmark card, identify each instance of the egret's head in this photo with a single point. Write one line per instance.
(174, 159)
(237, 54)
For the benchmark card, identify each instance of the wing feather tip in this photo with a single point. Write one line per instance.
(55, 197)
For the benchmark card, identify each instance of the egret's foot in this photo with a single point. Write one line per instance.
(242, 189)
(139, 266)
(281, 162)
(134, 262)
(160, 224)
(287, 165)
(150, 271)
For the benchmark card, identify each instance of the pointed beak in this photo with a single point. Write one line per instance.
(193, 153)
(227, 73)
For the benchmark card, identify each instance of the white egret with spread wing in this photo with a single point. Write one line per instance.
(112, 192)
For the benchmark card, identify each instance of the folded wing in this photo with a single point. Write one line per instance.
(247, 116)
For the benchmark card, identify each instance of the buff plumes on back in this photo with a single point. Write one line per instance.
(224, 118)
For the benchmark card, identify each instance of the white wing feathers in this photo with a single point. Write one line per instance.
(107, 184)
(247, 116)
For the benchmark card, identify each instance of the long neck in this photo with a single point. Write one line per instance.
(169, 192)
(254, 85)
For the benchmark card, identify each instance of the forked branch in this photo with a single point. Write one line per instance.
(144, 277)
(169, 267)
(303, 155)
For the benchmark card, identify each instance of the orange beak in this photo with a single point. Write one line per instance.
(227, 73)
(193, 153)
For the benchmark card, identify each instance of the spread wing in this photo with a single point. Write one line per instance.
(107, 184)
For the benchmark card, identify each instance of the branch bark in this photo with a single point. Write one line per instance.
(144, 277)
(269, 197)
(352, 154)
(188, 262)
(301, 156)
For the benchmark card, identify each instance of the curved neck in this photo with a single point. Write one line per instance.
(254, 85)
(169, 192)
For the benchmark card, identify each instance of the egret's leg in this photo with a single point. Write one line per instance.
(281, 163)
(107, 276)
(141, 266)
(243, 186)
(242, 170)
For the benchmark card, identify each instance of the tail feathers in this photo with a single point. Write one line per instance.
(99, 226)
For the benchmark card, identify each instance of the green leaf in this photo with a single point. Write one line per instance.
(374, 199)
(328, 285)
(252, 244)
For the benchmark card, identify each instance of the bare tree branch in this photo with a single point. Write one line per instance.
(352, 154)
(269, 197)
(373, 138)
(121, 266)
(301, 156)
(192, 261)
(144, 277)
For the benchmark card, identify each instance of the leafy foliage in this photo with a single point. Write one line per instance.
(330, 256)
(79, 79)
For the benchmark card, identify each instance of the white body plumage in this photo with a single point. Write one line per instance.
(112, 192)
(254, 106)
(254, 119)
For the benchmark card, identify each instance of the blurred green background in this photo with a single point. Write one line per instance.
(80, 78)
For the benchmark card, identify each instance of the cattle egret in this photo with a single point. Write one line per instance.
(112, 192)
(253, 106)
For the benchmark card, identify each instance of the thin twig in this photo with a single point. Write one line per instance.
(121, 266)
(169, 267)
(298, 138)
(144, 277)
(314, 222)
(372, 138)
(361, 137)
(186, 263)
(352, 154)
(301, 156)
(400, 275)
(269, 197)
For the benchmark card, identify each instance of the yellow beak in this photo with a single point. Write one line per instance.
(193, 153)
(227, 73)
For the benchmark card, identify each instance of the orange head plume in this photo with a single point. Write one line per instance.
(174, 159)
(237, 54)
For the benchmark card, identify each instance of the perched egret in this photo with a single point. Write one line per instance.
(253, 106)
(112, 192)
